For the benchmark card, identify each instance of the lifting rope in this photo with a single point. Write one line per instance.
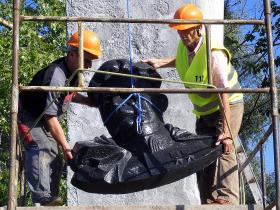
(138, 96)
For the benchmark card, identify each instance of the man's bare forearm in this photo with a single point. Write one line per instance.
(58, 134)
(157, 63)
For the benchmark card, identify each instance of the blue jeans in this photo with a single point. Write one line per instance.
(43, 166)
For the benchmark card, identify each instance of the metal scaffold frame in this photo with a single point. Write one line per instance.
(272, 90)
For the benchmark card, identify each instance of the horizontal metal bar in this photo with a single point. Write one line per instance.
(108, 72)
(257, 148)
(141, 90)
(140, 207)
(6, 23)
(136, 20)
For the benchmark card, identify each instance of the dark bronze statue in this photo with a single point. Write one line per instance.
(143, 152)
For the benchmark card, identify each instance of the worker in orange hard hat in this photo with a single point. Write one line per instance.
(91, 43)
(187, 12)
(43, 166)
(218, 183)
(91, 47)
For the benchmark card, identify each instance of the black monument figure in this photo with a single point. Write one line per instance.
(143, 152)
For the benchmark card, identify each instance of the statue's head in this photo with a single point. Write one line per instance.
(120, 112)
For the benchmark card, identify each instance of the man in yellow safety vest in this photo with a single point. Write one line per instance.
(218, 183)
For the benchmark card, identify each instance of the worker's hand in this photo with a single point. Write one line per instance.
(161, 62)
(226, 140)
(155, 63)
(67, 154)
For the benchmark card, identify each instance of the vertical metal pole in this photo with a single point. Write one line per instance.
(12, 201)
(263, 176)
(81, 54)
(274, 100)
(208, 51)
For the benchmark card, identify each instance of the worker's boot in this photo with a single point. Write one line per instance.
(57, 201)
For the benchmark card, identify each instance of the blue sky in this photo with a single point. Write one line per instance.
(269, 158)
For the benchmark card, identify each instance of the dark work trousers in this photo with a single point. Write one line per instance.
(220, 179)
(43, 166)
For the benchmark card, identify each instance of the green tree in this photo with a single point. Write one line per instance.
(40, 43)
(271, 191)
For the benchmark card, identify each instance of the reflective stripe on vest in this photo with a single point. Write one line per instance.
(209, 106)
(204, 103)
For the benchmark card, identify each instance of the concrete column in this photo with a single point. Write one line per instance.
(148, 40)
(213, 9)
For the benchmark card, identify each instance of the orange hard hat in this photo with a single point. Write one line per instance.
(91, 42)
(187, 12)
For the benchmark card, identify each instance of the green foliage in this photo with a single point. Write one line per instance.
(250, 45)
(271, 189)
(40, 43)
(63, 189)
(4, 174)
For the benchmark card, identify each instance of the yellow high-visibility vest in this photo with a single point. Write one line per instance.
(204, 103)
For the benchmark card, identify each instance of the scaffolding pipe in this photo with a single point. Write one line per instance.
(257, 148)
(263, 181)
(141, 90)
(148, 90)
(271, 206)
(135, 20)
(208, 53)
(6, 23)
(81, 54)
(274, 100)
(13, 179)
